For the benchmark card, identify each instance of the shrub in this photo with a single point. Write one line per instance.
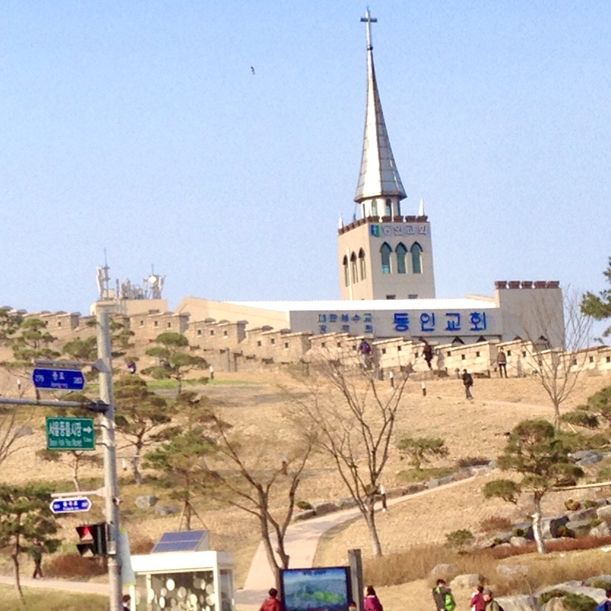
(73, 565)
(304, 505)
(472, 461)
(421, 475)
(555, 593)
(496, 523)
(571, 601)
(460, 539)
(572, 505)
(600, 582)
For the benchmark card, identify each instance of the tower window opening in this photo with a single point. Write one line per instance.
(416, 252)
(401, 254)
(346, 271)
(353, 269)
(385, 252)
(374, 207)
(388, 208)
(362, 264)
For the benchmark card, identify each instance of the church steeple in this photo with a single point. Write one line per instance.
(379, 176)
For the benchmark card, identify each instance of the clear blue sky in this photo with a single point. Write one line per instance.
(137, 126)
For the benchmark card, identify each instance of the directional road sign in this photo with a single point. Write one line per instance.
(70, 504)
(65, 433)
(58, 379)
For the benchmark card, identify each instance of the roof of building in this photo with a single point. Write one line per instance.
(379, 175)
(361, 305)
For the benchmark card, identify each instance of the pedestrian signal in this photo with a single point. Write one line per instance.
(92, 539)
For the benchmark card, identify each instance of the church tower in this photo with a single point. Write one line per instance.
(383, 254)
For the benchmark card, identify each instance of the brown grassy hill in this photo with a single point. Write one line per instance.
(258, 408)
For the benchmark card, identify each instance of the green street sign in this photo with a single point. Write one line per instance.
(65, 433)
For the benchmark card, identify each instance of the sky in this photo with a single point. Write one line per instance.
(137, 128)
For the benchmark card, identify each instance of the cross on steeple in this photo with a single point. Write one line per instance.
(368, 19)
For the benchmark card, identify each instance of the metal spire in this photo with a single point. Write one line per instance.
(379, 175)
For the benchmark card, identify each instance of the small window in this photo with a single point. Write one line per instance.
(225, 333)
(508, 352)
(477, 354)
(353, 269)
(362, 264)
(385, 252)
(574, 362)
(401, 254)
(383, 350)
(211, 331)
(142, 323)
(608, 359)
(339, 344)
(388, 207)
(323, 344)
(391, 296)
(591, 359)
(462, 357)
(412, 296)
(272, 341)
(59, 323)
(156, 323)
(399, 348)
(374, 207)
(169, 325)
(524, 353)
(259, 342)
(346, 271)
(286, 344)
(199, 331)
(416, 252)
(448, 354)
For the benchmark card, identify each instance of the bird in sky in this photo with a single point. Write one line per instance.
(252, 69)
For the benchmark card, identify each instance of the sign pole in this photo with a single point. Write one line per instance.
(356, 577)
(111, 500)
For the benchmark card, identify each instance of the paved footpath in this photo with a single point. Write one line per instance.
(301, 543)
(63, 585)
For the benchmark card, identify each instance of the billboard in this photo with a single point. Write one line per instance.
(316, 589)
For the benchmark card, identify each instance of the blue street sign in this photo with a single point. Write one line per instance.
(58, 379)
(71, 504)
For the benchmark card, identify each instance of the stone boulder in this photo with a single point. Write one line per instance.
(579, 527)
(598, 581)
(587, 457)
(576, 587)
(601, 530)
(518, 603)
(146, 501)
(512, 571)
(443, 571)
(466, 581)
(604, 513)
(518, 541)
(582, 514)
(550, 527)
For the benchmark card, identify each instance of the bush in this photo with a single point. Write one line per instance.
(73, 565)
(572, 505)
(304, 505)
(472, 461)
(421, 475)
(571, 601)
(496, 523)
(460, 539)
(600, 582)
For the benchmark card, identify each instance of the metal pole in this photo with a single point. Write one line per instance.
(356, 577)
(111, 500)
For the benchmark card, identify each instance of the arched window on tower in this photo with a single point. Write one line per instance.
(401, 254)
(374, 207)
(385, 252)
(346, 271)
(353, 269)
(388, 208)
(416, 252)
(362, 264)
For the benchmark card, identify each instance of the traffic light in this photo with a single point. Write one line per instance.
(92, 538)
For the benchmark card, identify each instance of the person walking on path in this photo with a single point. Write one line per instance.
(501, 362)
(36, 552)
(467, 380)
(427, 353)
(271, 603)
(371, 602)
(443, 597)
(477, 600)
(491, 604)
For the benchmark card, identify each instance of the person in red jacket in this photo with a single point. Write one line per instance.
(478, 602)
(372, 602)
(271, 603)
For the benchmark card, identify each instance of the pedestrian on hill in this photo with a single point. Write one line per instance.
(501, 362)
(477, 599)
(467, 380)
(271, 603)
(36, 552)
(605, 605)
(443, 597)
(126, 600)
(371, 602)
(427, 353)
(491, 604)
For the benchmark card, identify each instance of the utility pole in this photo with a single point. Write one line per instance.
(111, 500)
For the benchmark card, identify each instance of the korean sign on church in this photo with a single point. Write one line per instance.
(396, 322)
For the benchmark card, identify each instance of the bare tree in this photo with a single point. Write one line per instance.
(557, 368)
(263, 490)
(355, 419)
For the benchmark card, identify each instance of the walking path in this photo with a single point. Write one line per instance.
(63, 585)
(301, 543)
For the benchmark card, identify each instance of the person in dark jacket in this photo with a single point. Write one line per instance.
(371, 602)
(491, 604)
(271, 603)
(467, 380)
